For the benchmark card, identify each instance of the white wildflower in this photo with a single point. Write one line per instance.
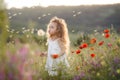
(74, 15)
(43, 15)
(10, 17)
(79, 13)
(15, 14)
(27, 36)
(103, 34)
(40, 32)
(39, 17)
(49, 14)
(73, 11)
(19, 13)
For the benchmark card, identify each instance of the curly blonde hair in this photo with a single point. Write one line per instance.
(62, 33)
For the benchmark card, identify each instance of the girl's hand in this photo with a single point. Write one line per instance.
(54, 56)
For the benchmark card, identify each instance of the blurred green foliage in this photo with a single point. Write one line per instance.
(3, 29)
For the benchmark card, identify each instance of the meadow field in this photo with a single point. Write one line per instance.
(93, 55)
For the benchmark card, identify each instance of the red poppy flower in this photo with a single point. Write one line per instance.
(92, 55)
(78, 51)
(106, 31)
(55, 56)
(84, 45)
(107, 35)
(81, 47)
(93, 41)
(101, 43)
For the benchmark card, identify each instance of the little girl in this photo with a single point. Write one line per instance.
(58, 45)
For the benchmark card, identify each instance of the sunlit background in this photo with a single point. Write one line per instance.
(45, 3)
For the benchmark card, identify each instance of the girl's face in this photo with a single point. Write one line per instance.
(52, 28)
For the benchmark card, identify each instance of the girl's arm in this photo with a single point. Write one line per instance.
(62, 47)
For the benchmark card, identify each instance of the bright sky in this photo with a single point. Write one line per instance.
(45, 3)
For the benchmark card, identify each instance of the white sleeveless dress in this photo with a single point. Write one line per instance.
(53, 64)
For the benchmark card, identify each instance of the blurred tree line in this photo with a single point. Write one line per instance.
(78, 18)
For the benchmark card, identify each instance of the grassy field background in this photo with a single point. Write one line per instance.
(92, 56)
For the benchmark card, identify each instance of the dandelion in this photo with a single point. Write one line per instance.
(10, 36)
(23, 28)
(73, 11)
(73, 30)
(95, 30)
(43, 15)
(79, 13)
(10, 17)
(78, 51)
(39, 17)
(74, 15)
(13, 30)
(15, 14)
(7, 26)
(49, 14)
(103, 34)
(54, 56)
(40, 32)
(27, 36)
(19, 13)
